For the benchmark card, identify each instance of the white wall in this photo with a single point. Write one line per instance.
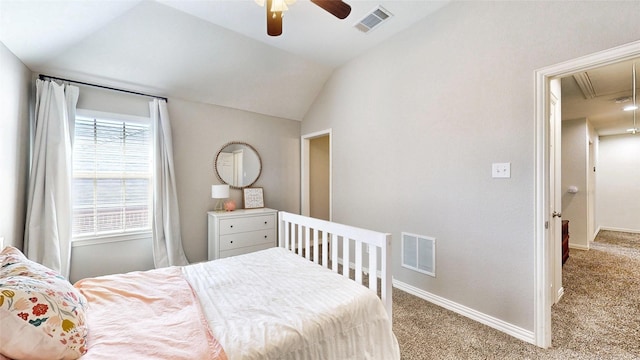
(96, 259)
(15, 79)
(418, 121)
(618, 183)
(574, 173)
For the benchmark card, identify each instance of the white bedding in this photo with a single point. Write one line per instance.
(273, 304)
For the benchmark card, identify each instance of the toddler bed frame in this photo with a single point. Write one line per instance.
(341, 245)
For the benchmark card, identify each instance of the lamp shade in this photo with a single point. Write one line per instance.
(219, 191)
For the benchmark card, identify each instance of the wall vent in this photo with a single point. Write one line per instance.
(373, 19)
(419, 253)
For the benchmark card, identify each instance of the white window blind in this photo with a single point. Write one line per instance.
(112, 182)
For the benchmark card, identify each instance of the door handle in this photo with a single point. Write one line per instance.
(556, 214)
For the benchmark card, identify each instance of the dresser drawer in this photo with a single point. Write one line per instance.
(244, 224)
(234, 241)
(244, 250)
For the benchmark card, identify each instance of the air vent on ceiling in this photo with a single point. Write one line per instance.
(373, 19)
(584, 83)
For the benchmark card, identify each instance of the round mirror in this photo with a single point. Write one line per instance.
(238, 164)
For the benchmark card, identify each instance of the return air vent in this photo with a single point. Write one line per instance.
(373, 19)
(419, 253)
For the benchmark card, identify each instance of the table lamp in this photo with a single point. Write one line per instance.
(219, 192)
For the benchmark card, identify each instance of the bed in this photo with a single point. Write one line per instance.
(304, 299)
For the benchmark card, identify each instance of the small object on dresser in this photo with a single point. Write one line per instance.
(229, 205)
(253, 198)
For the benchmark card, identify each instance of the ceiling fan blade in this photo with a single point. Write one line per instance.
(274, 21)
(337, 8)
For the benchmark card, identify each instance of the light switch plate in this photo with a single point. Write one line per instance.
(501, 170)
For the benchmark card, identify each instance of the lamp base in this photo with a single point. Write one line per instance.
(219, 205)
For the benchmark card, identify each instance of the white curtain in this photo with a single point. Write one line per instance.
(49, 215)
(167, 242)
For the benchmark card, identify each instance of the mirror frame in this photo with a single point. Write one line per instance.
(215, 164)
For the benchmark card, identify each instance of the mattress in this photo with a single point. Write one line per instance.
(273, 304)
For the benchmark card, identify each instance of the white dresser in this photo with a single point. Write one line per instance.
(241, 231)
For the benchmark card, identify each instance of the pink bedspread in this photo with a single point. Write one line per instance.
(146, 315)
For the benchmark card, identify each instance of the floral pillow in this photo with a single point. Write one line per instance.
(42, 314)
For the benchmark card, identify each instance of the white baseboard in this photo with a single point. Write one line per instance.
(633, 231)
(578, 247)
(510, 329)
(559, 294)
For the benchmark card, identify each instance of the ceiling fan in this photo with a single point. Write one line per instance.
(275, 9)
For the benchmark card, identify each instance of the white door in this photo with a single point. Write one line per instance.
(239, 176)
(225, 167)
(591, 193)
(555, 187)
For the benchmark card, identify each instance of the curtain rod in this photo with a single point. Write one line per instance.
(42, 77)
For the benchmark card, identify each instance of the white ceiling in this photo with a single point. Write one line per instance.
(217, 51)
(601, 104)
(214, 51)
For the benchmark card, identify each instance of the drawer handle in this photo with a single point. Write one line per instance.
(231, 241)
(265, 236)
(265, 223)
(231, 226)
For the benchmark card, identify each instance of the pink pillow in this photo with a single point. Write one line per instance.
(42, 314)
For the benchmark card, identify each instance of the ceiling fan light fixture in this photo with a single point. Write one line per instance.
(276, 9)
(277, 5)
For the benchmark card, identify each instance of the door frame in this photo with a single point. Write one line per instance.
(555, 187)
(305, 204)
(543, 259)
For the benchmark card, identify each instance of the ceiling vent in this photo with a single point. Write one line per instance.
(585, 85)
(373, 19)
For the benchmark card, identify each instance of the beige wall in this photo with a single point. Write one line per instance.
(319, 187)
(618, 183)
(417, 122)
(199, 131)
(574, 173)
(15, 79)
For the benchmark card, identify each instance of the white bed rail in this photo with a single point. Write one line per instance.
(340, 243)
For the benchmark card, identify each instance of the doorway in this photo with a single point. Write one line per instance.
(316, 180)
(546, 193)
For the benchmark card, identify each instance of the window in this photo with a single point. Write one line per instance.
(112, 175)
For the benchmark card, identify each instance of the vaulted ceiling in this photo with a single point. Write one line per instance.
(218, 52)
(214, 51)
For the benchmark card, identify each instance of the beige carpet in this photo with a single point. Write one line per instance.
(597, 318)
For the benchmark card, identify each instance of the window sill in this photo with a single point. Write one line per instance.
(105, 239)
